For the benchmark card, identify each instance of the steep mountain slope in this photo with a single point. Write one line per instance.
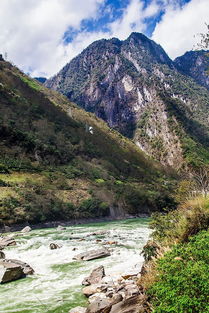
(59, 162)
(196, 65)
(135, 88)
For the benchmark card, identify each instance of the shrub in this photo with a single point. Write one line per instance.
(177, 226)
(182, 280)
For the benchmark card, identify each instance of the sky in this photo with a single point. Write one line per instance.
(41, 36)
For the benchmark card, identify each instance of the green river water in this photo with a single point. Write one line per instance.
(56, 285)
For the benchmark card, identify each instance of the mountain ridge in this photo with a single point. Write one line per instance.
(126, 83)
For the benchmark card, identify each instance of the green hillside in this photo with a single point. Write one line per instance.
(58, 162)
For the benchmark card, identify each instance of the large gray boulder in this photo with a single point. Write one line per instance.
(10, 272)
(92, 254)
(92, 289)
(26, 229)
(95, 277)
(130, 305)
(27, 269)
(7, 241)
(100, 305)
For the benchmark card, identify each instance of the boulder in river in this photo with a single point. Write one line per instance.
(10, 272)
(7, 241)
(26, 268)
(78, 309)
(92, 254)
(100, 305)
(92, 289)
(95, 277)
(2, 255)
(130, 305)
(26, 229)
(54, 246)
(60, 227)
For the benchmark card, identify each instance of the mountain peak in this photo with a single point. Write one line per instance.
(194, 64)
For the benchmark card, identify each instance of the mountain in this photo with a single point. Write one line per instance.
(135, 87)
(58, 162)
(40, 79)
(196, 65)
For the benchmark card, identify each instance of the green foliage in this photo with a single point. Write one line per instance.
(149, 251)
(177, 225)
(39, 137)
(183, 275)
(4, 168)
(32, 83)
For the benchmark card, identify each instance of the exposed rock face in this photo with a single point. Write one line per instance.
(195, 64)
(134, 86)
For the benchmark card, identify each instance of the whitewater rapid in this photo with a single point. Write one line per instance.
(56, 285)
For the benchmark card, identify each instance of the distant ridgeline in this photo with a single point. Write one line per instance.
(139, 91)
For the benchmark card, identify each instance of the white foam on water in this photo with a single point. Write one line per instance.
(55, 275)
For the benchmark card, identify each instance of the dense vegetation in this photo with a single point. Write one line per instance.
(52, 167)
(177, 273)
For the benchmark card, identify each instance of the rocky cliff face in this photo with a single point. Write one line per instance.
(134, 86)
(196, 65)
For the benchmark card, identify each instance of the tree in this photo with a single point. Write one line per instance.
(201, 179)
(204, 39)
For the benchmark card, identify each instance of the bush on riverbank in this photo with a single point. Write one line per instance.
(182, 280)
(176, 280)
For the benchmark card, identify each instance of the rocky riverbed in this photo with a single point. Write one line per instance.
(63, 257)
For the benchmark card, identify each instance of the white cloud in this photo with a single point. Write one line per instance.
(132, 19)
(32, 31)
(179, 25)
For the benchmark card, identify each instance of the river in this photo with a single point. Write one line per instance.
(56, 285)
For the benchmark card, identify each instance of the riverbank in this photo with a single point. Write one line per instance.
(53, 224)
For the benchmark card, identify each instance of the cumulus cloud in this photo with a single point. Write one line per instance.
(133, 18)
(177, 31)
(32, 31)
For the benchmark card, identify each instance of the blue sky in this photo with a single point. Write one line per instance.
(41, 36)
